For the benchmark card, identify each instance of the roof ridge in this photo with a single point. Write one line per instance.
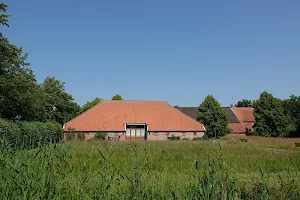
(187, 115)
(83, 113)
(137, 100)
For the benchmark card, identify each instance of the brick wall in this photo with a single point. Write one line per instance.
(91, 135)
(164, 135)
(150, 135)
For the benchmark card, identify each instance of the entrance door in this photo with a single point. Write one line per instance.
(134, 132)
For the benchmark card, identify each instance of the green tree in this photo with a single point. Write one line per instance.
(89, 105)
(270, 118)
(21, 97)
(3, 17)
(58, 104)
(244, 103)
(117, 97)
(292, 109)
(17, 81)
(211, 115)
(176, 106)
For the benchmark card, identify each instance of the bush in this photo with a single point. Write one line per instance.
(174, 137)
(10, 132)
(100, 136)
(81, 136)
(185, 139)
(204, 137)
(70, 134)
(30, 134)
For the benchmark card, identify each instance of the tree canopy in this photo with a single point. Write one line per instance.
(244, 103)
(213, 117)
(3, 17)
(270, 117)
(117, 97)
(292, 110)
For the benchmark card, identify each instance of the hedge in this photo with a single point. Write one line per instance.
(25, 135)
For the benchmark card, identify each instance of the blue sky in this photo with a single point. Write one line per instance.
(178, 51)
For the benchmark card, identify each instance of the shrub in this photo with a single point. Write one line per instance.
(70, 134)
(174, 137)
(29, 134)
(100, 136)
(185, 139)
(10, 132)
(204, 137)
(81, 136)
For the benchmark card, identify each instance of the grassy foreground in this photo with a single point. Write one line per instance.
(216, 169)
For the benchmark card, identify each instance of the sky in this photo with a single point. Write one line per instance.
(171, 50)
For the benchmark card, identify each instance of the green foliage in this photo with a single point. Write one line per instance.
(100, 136)
(211, 115)
(117, 97)
(27, 135)
(271, 120)
(70, 133)
(11, 133)
(292, 109)
(244, 103)
(3, 17)
(205, 137)
(21, 97)
(176, 106)
(89, 105)
(81, 136)
(173, 137)
(58, 104)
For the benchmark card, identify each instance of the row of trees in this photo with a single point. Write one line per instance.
(274, 117)
(22, 98)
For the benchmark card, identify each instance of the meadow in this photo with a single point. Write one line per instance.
(228, 168)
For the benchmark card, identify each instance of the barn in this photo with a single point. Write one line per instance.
(136, 120)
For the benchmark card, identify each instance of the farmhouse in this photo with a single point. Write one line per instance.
(239, 118)
(131, 120)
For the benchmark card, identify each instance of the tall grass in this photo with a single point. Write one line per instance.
(219, 169)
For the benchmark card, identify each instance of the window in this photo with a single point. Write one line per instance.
(195, 133)
(156, 133)
(138, 132)
(143, 133)
(128, 132)
(183, 133)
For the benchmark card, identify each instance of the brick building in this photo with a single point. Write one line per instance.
(131, 120)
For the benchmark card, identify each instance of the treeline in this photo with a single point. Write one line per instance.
(274, 117)
(31, 114)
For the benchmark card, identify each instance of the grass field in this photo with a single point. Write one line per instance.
(261, 168)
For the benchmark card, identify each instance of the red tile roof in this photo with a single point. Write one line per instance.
(246, 118)
(244, 114)
(237, 127)
(111, 115)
